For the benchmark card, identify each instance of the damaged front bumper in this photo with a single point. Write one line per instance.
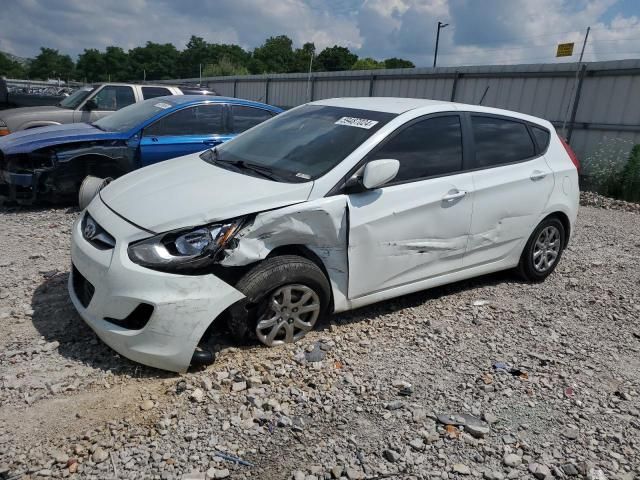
(19, 187)
(151, 317)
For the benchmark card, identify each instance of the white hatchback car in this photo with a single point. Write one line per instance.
(330, 206)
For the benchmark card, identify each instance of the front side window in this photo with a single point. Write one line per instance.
(499, 141)
(426, 148)
(304, 143)
(114, 97)
(76, 98)
(246, 117)
(152, 92)
(198, 120)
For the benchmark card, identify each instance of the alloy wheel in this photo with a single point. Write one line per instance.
(289, 313)
(546, 249)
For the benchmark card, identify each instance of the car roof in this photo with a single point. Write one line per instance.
(183, 99)
(398, 106)
(395, 105)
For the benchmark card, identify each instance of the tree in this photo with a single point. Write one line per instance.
(274, 56)
(158, 61)
(51, 64)
(223, 68)
(10, 68)
(116, 64)
(302, 57)
(90, 65)
(336, 58)
(367, 64)
(398, 63)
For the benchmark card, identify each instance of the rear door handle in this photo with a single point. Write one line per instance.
(537, 175)
(454, 195)
(212, 142)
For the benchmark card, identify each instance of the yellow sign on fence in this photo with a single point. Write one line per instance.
(565, 50)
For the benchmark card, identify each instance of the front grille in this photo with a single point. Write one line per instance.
(97, 236)
(82, 287)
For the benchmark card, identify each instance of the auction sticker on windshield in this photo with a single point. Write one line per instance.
(162, 105)
(357, 122)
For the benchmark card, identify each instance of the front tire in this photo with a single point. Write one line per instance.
(543, 250)
(285, 298)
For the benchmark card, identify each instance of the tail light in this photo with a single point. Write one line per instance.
(571, 153)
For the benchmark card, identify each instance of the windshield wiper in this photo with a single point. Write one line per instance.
(266, 172)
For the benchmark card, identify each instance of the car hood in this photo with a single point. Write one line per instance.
(26, 141)
(188, 191)
(15, 117)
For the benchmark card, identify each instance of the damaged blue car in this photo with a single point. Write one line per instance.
(48, 164)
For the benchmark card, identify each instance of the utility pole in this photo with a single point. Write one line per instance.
(575, 84)
(435, 55)
(200, 84)
(309, 75)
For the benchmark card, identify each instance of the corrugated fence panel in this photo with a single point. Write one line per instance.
(607, 120)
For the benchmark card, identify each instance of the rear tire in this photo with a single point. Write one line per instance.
(285, 298)
(543, 250)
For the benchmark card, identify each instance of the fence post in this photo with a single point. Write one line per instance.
(235, 87)
(576, 101)
(371, 80)
(455, 86)
(266, 91)
(312, 87)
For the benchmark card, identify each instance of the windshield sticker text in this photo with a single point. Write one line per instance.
(162, 105)
(357, 122)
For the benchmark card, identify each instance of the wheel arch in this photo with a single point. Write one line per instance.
(566, 223)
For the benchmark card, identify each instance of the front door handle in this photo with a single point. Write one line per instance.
(212, 142)
(454, 195)
(537, 175)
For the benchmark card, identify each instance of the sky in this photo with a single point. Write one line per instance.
(479, 31)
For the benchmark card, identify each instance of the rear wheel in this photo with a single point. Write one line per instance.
(285, 298)
(543, 250)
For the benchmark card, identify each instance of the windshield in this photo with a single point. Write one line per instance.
(304, 143)
(76, 98)
(130, 116)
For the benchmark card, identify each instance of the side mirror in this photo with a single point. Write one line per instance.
(90, 105)
(378, 172)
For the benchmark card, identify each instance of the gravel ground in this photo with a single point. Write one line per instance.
(488, 378)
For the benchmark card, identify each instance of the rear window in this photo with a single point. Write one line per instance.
(499, 141)
(542, 137)
(152, 92)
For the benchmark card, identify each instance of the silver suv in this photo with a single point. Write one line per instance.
(87, 104)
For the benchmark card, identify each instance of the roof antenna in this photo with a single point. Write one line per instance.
(483, 95)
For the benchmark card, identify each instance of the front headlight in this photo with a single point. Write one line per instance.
(185, 249)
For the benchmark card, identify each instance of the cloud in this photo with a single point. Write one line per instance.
(487, 31)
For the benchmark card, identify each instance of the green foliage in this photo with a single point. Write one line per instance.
(10, 68)
(274, 56)
(630, 177)
(367, 64)
(398, 63)
(164, 61)
(335, 58)
(51, 64)
(608, 173)
(223, 68)
(154, 61)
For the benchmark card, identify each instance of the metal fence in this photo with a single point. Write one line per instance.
(599, 102)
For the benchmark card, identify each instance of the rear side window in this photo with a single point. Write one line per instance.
(246, 117)
(542, 137)
(198, 120)
(114, 97)
(499, 141)
(152, 92)
(426, 148)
